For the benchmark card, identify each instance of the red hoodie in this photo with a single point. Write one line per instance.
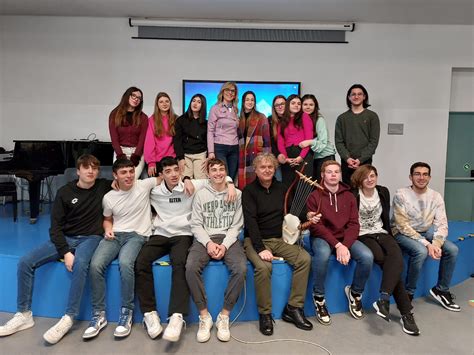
(340, 217)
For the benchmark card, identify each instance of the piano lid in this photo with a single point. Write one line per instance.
(50, 157)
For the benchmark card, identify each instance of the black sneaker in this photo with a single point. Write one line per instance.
(322, 314)
(446, 299)
(383, 309)
(408, 324)
(355, 304)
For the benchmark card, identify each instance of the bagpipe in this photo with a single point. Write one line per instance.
(301, 188)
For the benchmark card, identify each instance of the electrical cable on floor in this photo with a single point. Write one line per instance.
(272, 340)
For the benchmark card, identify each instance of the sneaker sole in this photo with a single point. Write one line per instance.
(171, 339)
(123, 335)
(221, 338)
(154, 336)
(23, 327)
(51, 341)
(204, 340)
(440, 301)
(93, 335)
(323, 322)
(406, 330)
(347, 290)
(380, 314)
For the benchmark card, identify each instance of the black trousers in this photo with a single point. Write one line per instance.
(347, 172)
(157, 247)
(288, 172)
(388, 255)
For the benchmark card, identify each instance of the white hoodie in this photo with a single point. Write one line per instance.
(212, 216)
(173, 208)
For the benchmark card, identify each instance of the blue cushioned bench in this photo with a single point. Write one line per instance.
(52, 284)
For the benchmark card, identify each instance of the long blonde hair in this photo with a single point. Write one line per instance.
(158, 117)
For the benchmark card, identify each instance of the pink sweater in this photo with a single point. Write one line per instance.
(157, 147)
(294, 135)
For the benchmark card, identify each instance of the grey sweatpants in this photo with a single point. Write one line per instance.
(236, 262)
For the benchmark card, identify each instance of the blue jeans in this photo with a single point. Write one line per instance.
(126, 245)
(83, 246)
(321, 253)
(230, 155)
(417, 254)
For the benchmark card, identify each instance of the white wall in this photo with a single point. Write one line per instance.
(62, 76)
(462, 90)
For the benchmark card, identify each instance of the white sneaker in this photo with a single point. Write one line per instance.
(97, 323)
(222, 325)
(173, 330)
(124, 325)
(205, 326)
(151, 321)
(20, 321)
(57, 331)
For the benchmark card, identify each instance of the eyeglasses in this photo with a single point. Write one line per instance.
(354, 94)
(279, 105)
(417, 174)
(231, 91)
(135, 97)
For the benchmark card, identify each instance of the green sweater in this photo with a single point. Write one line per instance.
(357, 135)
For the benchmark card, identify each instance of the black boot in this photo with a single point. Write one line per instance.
(266, 324)
(296, 316)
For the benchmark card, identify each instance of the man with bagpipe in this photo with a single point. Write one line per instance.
(263, 203)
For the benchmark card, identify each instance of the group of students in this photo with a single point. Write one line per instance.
(199, 220)
(296, 133)
(94, 221)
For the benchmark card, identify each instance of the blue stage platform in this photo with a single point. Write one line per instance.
(52, 280)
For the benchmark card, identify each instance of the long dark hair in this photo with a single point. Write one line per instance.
(285, 120)
(315, 115)
(365, 103)
(242, 108)
(275, 117)
(202, 111)
(122, 108)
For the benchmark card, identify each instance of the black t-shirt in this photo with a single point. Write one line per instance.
(77, 212)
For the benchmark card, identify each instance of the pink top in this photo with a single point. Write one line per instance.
(294, 135)
(157, 147)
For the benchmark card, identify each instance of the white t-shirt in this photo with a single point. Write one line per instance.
(131, 209)
(370, 213)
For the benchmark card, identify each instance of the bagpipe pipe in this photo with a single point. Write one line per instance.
(300, 188)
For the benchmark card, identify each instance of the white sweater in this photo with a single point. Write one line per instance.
(212, 215)
(415, 213)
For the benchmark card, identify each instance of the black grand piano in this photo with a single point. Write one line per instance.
(35, 160)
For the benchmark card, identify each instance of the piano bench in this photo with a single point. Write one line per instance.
(9, 189)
